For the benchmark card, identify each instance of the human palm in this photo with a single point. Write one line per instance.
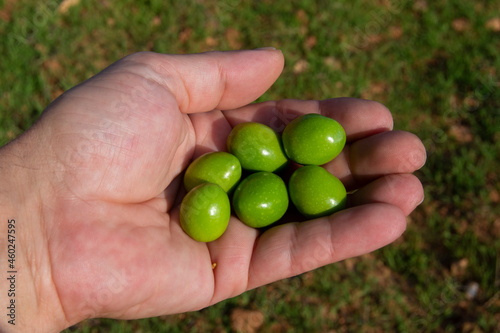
(114, 149)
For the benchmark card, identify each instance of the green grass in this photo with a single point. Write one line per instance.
(435, 64)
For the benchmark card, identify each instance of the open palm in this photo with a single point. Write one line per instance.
(113, 152)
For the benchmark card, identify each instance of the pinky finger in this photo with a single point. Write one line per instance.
(402, 190)
(295, 248)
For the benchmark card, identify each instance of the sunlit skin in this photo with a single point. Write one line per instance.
(96, 185)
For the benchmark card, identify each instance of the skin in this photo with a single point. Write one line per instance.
(95, 189)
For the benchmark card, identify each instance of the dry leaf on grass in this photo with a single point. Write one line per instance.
(233, 38)
(310, 42)
(376, 89)
(420, 6)
(210, 41)
(246, 321)
(300, 66)
(493, 24)
(459, 268)
(460, 24)
(460, 133)
(6, 10)
(494, 196)
(333, 63)
(66, 5)
(395, 32)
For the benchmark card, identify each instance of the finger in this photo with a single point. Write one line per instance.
(359, 117)
(214, 80)
(231, 256)
(169, 197)
(392, 152)
(295, 248)
(212, 130)
(402, 190)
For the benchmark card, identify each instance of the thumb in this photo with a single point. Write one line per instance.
(214, 80)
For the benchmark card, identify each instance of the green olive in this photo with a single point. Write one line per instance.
(315, 192)
(205, 212)
(257, 147)
(313, 139)
(260, 199)
(220, 168)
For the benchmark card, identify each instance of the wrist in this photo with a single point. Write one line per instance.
(27, 294)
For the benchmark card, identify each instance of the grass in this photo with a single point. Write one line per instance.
(435, 64)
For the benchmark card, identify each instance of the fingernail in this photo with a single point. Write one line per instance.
(421, 201)
(268, 48)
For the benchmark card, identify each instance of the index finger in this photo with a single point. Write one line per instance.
(360, 118)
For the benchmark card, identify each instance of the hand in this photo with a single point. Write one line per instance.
(99, 180)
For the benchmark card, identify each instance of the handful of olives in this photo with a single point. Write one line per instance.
(262, 197)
